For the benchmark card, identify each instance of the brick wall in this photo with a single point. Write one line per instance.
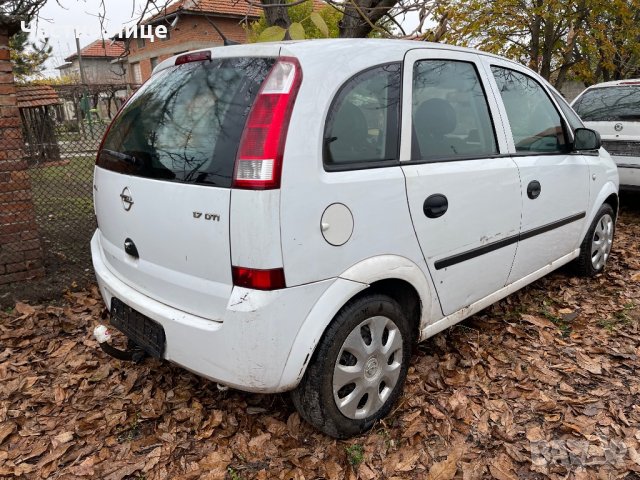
(192, 32)
(20, 249)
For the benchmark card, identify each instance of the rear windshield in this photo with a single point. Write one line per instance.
(609, 104)
(185, 123)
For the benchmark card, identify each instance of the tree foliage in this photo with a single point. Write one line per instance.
(28, 57)
(320, 24)
(354, 18)
(586, 39)
(14, 11)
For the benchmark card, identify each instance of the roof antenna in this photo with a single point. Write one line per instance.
(225, 41)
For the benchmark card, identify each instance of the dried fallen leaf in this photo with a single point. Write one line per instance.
(6, 430)
(592, 365)
(24, 309)
(63, 437)
(534, 434)
(501, 468)
(537, 321)
(446, 469)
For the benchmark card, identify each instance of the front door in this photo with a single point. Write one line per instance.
(462, 186)
(555, 181)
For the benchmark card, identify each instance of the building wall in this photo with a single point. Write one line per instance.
(20, 249)
(97, 70)
(192, 32)
(572, 89)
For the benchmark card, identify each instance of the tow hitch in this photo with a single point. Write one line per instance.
(133, 353)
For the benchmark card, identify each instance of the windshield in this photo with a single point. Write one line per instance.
(185, 123)
(608, 104)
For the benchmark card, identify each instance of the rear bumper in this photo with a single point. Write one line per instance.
(247, 349)
(629, 171)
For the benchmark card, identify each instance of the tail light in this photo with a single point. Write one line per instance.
(259, 162)
(258, 279)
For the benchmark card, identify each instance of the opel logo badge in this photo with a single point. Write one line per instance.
(618, 127)
(127, 200)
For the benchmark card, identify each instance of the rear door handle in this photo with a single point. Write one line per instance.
(435, 205)
(533, 189)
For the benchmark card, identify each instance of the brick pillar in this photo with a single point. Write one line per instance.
(20, 249)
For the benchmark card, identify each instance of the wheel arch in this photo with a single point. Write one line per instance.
(607, 194)
(614, 201)
(396, 276)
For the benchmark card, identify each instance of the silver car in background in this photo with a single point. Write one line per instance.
(613, 110)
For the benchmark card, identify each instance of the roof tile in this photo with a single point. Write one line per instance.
(237, 8)
(36, 96)
(99, 49)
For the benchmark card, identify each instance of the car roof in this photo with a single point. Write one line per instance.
(333, 50)
(616, 83)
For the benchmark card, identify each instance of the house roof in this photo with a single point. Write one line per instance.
(99, 49)
(36, 96)
(234, 8)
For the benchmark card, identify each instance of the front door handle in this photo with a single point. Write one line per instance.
(533, 189)
(435, 205)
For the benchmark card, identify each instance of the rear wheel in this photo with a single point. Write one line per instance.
(596, 246)
(358, 369)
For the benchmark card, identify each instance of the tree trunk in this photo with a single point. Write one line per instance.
(534, 52)
(547, 48)
(276, 15)
(360, 15)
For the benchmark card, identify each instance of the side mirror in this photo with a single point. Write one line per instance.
(586, 139)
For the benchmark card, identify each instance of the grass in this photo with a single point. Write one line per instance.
(355, 454)
(563, 326)
(132, 431)
(64, 191)
(620, 317)
(233, 475)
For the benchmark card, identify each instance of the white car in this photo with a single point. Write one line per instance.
(296, 215)
(613, 110)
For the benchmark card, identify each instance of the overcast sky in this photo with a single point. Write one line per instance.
(60, 20)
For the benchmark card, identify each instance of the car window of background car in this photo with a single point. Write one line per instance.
(536, 125)
(450, 112)
(362, 125)
(609, 104)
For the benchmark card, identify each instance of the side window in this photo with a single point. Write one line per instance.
(363, 121)
(450, 115)
(535, 123)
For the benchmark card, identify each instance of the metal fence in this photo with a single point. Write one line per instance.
(62, 196)
(59, 145)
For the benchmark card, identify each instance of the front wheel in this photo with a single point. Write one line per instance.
(358, 369)
(596, 246)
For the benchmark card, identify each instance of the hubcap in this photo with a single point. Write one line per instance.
(601, 243)
(367, 368)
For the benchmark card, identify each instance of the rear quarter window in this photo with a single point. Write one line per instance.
(185, 124)
(362, 128)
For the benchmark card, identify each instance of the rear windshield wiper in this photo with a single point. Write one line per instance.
(631, 116)
(124, 157)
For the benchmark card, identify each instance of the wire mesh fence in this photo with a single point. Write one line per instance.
(51, 209)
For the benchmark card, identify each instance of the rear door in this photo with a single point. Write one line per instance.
(555, 181)
(163, 182)
(463, 193)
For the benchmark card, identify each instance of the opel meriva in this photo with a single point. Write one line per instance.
(296, 215)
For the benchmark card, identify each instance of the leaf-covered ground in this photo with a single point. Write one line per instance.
(543, 384)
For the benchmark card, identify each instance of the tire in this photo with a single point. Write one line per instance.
(596, 246)
(377, 366)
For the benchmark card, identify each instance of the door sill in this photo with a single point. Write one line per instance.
(449, 320)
